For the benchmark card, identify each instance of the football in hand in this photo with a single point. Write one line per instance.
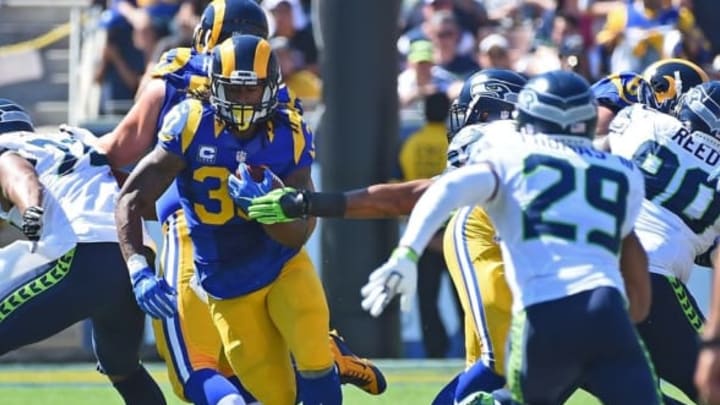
(257, 173)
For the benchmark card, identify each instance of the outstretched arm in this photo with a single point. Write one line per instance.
(377, 201)
(399, 274)
(146, 183)
(19, 182)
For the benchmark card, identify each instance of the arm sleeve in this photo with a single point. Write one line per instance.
(469, 185)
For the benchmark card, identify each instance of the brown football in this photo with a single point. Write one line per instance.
(257, 173)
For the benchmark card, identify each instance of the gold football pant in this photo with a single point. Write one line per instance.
(260, 330)
(476, 268)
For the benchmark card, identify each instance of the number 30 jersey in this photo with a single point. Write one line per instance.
(561, 209)
(233, 255)
(680, 216)
(79, 189)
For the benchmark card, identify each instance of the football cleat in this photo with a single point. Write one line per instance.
(354, 370)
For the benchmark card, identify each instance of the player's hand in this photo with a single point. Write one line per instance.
(707, 376)
(280, 205)
(82, 134)
(153, 294)
(32, 222)
(243, 189)
(397, 276)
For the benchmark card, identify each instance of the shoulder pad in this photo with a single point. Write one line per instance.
(171, 62)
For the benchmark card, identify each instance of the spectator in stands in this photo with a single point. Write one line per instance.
(133, 29)
(183, 26)
(119, 70)
(304, 83)
(641, 32)
(291, 22)
(445, 35)
(423, 31)
(493, 52)
(423, 155)
(422, 76)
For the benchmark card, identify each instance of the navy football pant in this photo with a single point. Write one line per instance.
(671, 332)
(90, 281)
(584, 340)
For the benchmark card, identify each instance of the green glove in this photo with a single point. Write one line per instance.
(280, 205)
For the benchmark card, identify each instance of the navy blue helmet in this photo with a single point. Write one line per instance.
(668, 80)
(487, 95)
(557, 102)
(240, 63)
(699, 108)
(223, 18)
(13, 117)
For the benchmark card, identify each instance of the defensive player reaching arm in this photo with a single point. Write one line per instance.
(554, 268)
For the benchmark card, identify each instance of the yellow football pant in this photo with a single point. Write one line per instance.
(260, 330)
(476, 268)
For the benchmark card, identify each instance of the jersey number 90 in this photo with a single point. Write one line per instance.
(692, 196)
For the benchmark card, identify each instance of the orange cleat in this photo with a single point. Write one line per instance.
(354, 370)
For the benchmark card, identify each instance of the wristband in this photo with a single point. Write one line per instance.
(711, 343)
(136, 263)
(406, 251)
(325, 204)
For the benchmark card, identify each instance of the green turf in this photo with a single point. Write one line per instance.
(409, 382)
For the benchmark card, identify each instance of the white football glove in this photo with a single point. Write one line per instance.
(397, 276)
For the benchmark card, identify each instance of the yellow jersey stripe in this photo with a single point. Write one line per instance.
(297, 134)
(193, 122)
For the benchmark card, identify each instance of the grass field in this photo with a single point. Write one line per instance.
(409, 382)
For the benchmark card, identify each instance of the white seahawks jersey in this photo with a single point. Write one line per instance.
(562, 209)
(79, 189)
(463, 144)
(680, 218)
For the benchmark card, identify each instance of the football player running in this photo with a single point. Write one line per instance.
(188, 341)
(264, 297)
(679, 220)
(485, 104)
(564, 213)
(61, 193)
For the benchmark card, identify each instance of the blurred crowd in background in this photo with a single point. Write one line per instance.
(440, 42)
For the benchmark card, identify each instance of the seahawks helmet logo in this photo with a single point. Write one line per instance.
(481, 87)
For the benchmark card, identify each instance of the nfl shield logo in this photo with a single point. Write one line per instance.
(241, 156)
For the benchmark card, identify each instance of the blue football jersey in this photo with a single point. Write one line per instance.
(233, 255)
(185, 71)
(619, 90)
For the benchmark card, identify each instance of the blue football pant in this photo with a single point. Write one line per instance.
(671, 332)
(586, 339)
(90, 281)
